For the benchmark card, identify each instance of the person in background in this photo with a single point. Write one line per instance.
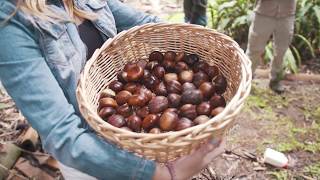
(195, 11)
(276, 18)
(44, 47)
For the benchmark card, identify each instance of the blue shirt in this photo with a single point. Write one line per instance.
(40, 64)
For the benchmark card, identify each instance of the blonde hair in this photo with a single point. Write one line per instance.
(40, 9)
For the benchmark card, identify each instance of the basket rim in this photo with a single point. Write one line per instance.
(242, 92)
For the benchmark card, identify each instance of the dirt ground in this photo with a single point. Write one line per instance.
(289, 123)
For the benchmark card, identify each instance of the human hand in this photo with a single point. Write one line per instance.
(192, 164)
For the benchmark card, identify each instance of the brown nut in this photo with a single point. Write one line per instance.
(186, 76)
(142, 63)
(116, 120)
(105, 112)
(191, 97)
(183, 123)
(134, 122)
(216, 111)
(107, 93)
(192, 59)
(216, 101)
(188, 111)
(200, 66)
(161, 90)
(135, 72)
(175, 110)
(150, 121)
(212, 71)
(132, 87)
(181, 66)
(188, 86)
(145, 92)
(158, 104)
(169, 56)
(174, 87)
(170, 77)
(151, 82)
(201, 119)
(199, 78)
(107, 102)
(128, 66)
(180, 56)
(169, 65)
(137, 100)
(220, 84)
(158, 71)
(156, 56)
(151, 65)
(122, 77)
(204, 108)
(207, 89)
(146, 74)
(174, 100)
(143, 112)
(122, 97)
(168, 121)
(116, 86)
(155, 131)
(125, 110)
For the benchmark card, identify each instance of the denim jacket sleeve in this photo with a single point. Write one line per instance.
(29, 81)
(127, 17)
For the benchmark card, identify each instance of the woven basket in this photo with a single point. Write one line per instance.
(137, 43)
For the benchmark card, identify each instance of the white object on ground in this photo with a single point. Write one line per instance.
(275, 158)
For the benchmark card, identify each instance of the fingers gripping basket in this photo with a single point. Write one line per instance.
(137, 43)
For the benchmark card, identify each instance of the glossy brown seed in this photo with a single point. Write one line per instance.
(116, 120)
(137, 100)
(135, 123)
(125, 110)
(151, 65)
(175, 110)
(170, 77)
(192, 59)
(204, 108)
(155, 131)
(145, 92)
(168, 121)
(116, 86)
(191, 97)
(174, 100)
(200, 66)
(122, 77)
(216, 111)
(132, 87)
(128, 66)
(158, 104)
(186, 76)
(188, 86)
(169, 65)
(143, 112)
(161, 89)
(122, 97)
(188, 111)
(180, 56)
(150, 121)
(181, 66)
(156, 56)
(107, 102)
(158, 71)
(217, 100)
(107, 93)
(135, 72)
(212, 71)
(183, 123)
(174, 87)
(207, 89)
(142, 63)
(220, 84)
(146, 74)
(199, 78)
(201, 119)
(169, 56)
(105, 112)
(151, 82)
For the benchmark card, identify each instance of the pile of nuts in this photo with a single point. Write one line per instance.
(170, 92)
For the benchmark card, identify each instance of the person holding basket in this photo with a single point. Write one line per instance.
(44, 47)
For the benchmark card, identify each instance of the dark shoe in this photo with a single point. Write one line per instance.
(276, 87)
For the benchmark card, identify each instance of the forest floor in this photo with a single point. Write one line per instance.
(289, 123)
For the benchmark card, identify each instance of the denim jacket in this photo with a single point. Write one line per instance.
(40, 63)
